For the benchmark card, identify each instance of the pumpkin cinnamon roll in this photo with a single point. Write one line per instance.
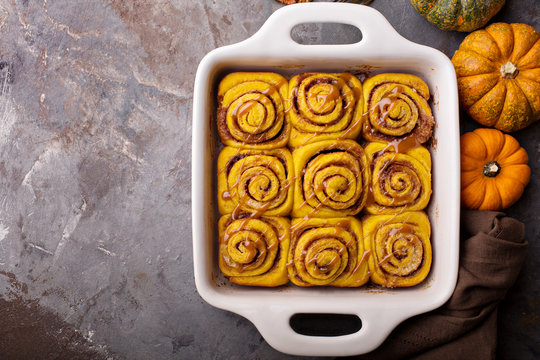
(399, 181)
(255, 181)
(327, 252)
(251, 110)
(254, 251)
(331, 179)
(323, 106)
(400, 248)
(397, 107)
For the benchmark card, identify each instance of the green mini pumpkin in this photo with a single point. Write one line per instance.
(460, 15)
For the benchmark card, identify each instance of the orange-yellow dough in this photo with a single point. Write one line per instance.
(255, 181)
(327, 252)
(399, 181)
(400, 248)
(254, 251)
(396, 107)
(332, 178)
(323, 106)
(251, 110)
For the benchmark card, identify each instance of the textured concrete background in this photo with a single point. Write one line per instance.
(95, 136)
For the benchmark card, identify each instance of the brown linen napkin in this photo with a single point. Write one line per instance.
(465, 327)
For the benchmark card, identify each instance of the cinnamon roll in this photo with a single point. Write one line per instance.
(255, 181)
(323, 106)
(251, 110)
(400, 248)
(254, 251)
(399, 181)
(327, 252)
(396, 107)
(332, 178)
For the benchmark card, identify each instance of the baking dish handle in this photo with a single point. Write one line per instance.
(276, 31)
(274, 326)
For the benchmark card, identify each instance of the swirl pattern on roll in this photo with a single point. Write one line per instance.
(400, 248)
(332, 179)
(255, 181)
(251, 110)
(323, 106)
(327, 252)
(397, 107)
(399, 181)
(254, 251)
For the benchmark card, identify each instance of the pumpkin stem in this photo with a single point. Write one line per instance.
(492, 169)
(509, 70)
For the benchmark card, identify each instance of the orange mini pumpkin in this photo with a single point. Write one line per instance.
(498, 73)
(494, 170)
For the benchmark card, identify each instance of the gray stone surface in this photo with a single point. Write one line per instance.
(95, 137)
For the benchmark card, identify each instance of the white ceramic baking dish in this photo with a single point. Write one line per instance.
(381, 49)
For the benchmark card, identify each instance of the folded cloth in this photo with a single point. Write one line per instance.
(465, 327)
